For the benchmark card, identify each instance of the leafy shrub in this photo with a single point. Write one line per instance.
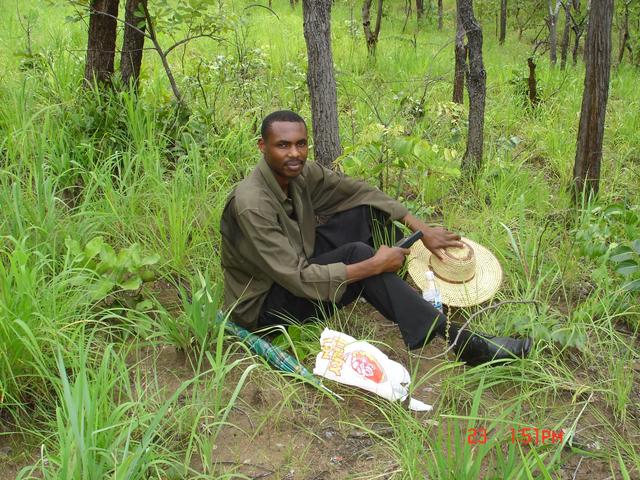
(127, 269)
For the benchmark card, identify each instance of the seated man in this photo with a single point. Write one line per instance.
(279, 263)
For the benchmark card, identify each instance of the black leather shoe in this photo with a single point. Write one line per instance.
(476, 348)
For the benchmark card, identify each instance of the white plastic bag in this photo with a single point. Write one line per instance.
(353, 362)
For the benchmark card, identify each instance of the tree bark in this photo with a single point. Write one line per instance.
(419, 9)
(552, 23)
(477, 88)
(101, 42)
(586, 170)
(371, 36)
(133, 42)
(321, 80)
(532, 82)
(460, 63)
(564, 48)
(503, 21)
(439, 14)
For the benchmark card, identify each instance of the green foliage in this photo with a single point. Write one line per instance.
(125, 270)
(386, 153)
(611, 235)
(519, 81)
(303, 339)
(626, 258)
(195, 328)
(79, 164)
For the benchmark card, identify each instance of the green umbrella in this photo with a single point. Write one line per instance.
(277, 357)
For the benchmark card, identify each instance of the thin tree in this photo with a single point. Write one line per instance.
(476, 87)
(586, 170)
(101, 42)
(439, 14)
(564, 46)
(133, 42)
(321, 80)
(460, 68)
(624, 33)
(503, 21)
(419, 9)
(371, 35)
(577, 25)
(552, 23)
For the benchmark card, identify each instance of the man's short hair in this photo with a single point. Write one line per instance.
(280, 116)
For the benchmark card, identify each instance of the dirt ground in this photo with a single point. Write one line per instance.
(307, 436)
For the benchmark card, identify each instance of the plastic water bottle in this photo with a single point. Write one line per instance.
(431, 293)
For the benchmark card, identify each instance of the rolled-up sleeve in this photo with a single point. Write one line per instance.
(279, 260)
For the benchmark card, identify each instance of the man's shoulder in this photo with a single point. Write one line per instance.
(251, 193)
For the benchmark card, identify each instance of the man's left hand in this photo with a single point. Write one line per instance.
(434, 238)
(438, 238)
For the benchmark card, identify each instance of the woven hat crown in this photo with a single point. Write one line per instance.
(458, 264)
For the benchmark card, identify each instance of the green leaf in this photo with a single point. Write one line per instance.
(636, 245)
(93, 247)
(150, 260)
(632, 286)
(144, 305)
(422, 149)
(403, 146)
(133, 283)
(102, 288)
(622, 254)
(627, 268)
(73, 246)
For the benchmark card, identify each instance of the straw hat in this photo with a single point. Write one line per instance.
(465, 276)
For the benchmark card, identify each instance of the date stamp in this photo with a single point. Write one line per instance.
(520, 435)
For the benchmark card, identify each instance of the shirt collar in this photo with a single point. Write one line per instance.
(271, 181)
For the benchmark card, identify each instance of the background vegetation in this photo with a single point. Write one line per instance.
(109, 252)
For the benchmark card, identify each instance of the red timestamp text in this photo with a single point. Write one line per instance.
(520, 435)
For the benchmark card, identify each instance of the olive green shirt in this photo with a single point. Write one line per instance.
(269, 237)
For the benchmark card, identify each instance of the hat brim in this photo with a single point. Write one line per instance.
(479, 289)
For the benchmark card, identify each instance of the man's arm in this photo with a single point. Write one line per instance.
(386, 259)
(434, 238)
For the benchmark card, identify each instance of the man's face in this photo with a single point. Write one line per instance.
(285, 149)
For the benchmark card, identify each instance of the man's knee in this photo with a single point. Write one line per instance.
(359, 251)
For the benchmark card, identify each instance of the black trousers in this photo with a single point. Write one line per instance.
(348, 237)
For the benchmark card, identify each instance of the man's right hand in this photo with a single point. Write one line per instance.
(386, 259)
(390, 259)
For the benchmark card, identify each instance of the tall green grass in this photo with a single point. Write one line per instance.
(77, 164)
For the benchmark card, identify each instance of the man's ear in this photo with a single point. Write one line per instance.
(261, 144)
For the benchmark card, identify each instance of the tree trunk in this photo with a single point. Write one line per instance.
(624, 33)
(552, 23)
(533, 83)
(321, 80)
(439, 14)
(564, 48)
(419, 9)
(503, 21)
(371, 35)
(101, 42)
(460, 63)
(133, 42)
(476, 86)
(586, 170)
(578, 28)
